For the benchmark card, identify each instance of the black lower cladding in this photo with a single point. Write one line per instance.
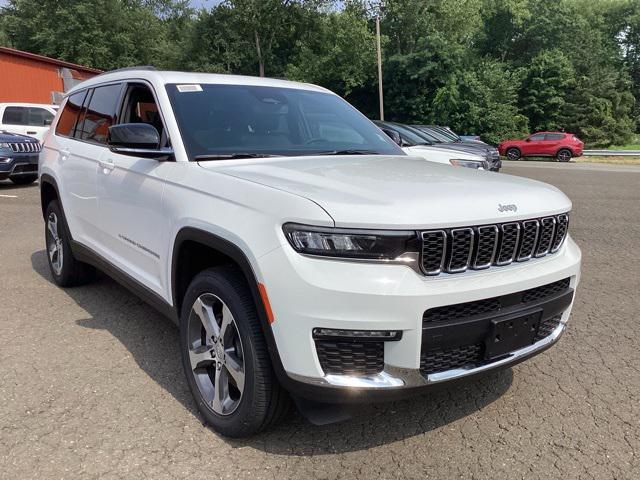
(350, 357)
(456, 336)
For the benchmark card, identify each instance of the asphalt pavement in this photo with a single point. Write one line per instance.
(91, 384)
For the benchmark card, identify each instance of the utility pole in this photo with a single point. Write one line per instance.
(379, 66)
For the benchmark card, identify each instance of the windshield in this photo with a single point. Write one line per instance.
(239, 121)
(411, 136)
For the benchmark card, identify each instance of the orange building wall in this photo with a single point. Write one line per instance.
(25, 80)
(30, 80)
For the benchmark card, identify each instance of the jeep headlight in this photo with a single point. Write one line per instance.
(469, 163)
(359, 244)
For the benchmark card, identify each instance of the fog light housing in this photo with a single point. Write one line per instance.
(357, 335)
(5, 159)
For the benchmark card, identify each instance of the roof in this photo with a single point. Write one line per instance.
(168, 77)
(52, 61)
(23, 104)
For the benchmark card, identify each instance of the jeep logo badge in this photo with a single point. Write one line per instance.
(507, 208)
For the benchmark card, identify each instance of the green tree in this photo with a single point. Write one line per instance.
(544, 90)
(340, 54)
(104, 34)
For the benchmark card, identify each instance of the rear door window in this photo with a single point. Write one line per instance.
(100, 114)
(69, 116)
(38, 117)
(554, 136)
(538, 137)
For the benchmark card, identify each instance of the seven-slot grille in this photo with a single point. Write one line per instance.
(459, 249)
(26, 147)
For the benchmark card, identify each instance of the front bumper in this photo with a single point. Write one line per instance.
(307, 293)
(18, 164)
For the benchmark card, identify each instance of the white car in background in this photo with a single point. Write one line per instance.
(33, 119)
(412, 145)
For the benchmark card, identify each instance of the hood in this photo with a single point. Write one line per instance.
(14, 137)
(469, 147)
(381, 191)
(442, 155)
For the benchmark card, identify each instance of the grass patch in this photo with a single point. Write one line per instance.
(635, 160)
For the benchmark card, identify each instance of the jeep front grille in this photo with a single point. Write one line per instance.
(25, 147)
(456, 250)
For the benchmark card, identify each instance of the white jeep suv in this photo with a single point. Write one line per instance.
(301, 252)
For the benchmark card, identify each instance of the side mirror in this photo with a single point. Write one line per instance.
(528, 139)
(137, 140)
(393, 135)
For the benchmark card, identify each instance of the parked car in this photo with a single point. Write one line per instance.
(560, 145)
(444, 135)
(471, 138)
(299, 250)
(31, 119)
(18, 158)
(413, 142)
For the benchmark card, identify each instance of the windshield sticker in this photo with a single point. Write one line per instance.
(189, 88)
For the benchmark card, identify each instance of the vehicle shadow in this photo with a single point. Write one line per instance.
(152, 341)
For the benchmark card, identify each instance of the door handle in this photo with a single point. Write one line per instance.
(106, 165)
(64, 155)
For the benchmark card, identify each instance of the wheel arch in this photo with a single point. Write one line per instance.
(190, 240)
(48, 191)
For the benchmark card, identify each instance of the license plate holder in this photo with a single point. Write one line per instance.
(511, 333)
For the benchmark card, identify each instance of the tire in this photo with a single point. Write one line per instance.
(564, 155)
(231, 346)
(65, 269)
(513, 153)
(24, 179)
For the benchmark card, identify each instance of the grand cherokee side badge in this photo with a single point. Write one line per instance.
(507, 208)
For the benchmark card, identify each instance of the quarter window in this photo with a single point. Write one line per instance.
(100, 114)
(69, 115)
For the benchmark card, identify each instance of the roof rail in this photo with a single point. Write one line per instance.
(140, 67)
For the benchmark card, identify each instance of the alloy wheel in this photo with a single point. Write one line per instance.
(54, 244)
(216, 354)
(564, 156)
(513, 154)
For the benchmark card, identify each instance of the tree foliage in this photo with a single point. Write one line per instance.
(498, 68)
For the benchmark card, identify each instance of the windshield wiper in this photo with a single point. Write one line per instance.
(346, 152)
(232, 156)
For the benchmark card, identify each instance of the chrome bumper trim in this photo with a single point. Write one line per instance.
(397, 378)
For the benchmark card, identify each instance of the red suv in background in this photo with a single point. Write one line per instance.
(560, 145)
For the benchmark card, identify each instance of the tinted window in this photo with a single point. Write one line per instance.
(32, 116)
(39, 117)
(555, 136)
(100, 114)
(227, 119)
(69, 115)
(14, 116)
(537, 137)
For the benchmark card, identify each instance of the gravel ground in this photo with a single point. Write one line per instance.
(91, 384)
